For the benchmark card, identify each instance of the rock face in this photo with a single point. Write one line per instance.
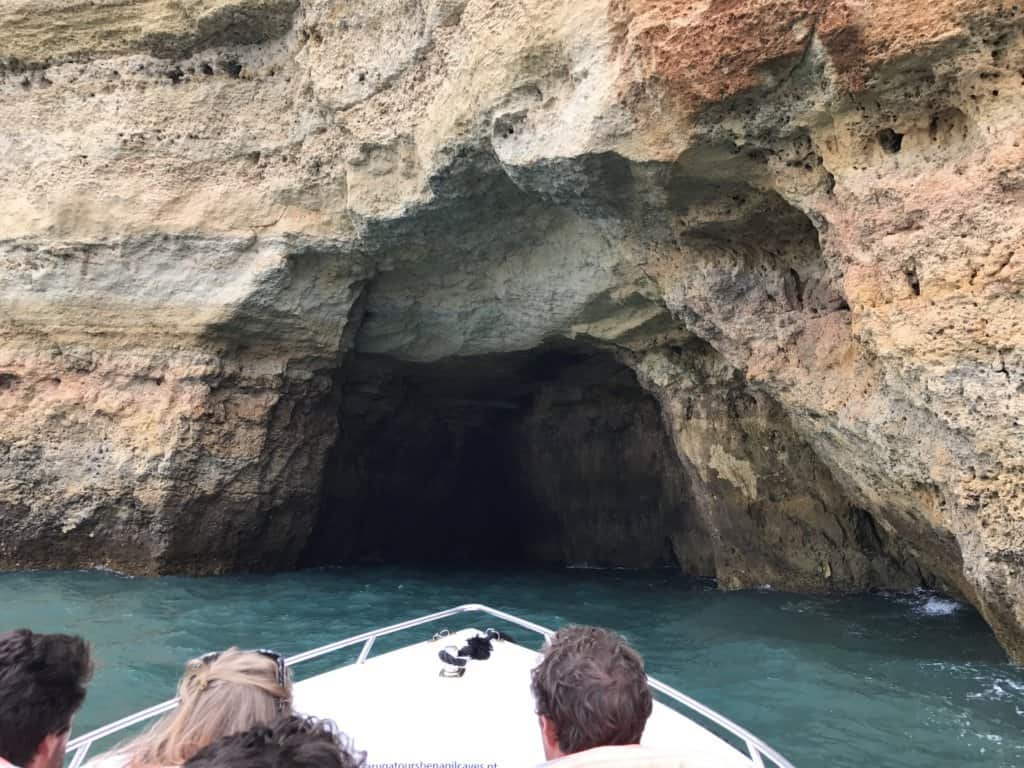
(798, 225)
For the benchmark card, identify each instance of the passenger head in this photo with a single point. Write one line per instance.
(590, 690)
(292, 741)
(219, 695)
(42, 685)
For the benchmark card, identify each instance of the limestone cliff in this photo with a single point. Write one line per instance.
(799, 222)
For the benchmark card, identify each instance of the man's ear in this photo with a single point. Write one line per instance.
(47, 752)
(550, 737)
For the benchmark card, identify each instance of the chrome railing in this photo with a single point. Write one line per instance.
(758, 751)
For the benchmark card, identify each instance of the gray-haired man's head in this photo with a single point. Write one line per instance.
(590, 691)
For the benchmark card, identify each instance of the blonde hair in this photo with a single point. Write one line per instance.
(234, 692)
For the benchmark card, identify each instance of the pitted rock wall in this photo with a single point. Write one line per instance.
(205, 205)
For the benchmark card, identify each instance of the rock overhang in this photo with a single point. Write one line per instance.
(819, 196)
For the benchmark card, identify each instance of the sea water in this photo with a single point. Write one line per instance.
(898, 681)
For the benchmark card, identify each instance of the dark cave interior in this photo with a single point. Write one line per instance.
(552, 456)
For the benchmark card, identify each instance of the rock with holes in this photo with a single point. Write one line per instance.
(266, 263)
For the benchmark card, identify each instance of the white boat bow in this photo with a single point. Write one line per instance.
(400, 710)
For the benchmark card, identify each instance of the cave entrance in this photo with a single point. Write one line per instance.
(551, 456)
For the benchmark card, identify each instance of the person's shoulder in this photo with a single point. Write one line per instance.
(631, 756)
(115, 760)
(119, 760)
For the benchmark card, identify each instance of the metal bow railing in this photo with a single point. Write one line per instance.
(758, 751)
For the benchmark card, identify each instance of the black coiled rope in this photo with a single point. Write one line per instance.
(478, 648)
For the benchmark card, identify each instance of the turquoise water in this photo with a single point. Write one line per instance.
(898, 681)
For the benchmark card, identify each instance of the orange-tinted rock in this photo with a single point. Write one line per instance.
(799, 222)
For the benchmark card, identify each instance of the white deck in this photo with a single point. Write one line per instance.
(405, 715)
(399, 710)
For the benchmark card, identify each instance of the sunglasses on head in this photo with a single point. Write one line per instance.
(277, 658)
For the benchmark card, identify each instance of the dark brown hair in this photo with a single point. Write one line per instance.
(592, 686)
(42, 685)
(291, 741)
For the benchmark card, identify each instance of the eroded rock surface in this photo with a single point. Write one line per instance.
(799, 222)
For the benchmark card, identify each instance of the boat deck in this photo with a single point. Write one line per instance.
(397, 708)
(400, 710)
